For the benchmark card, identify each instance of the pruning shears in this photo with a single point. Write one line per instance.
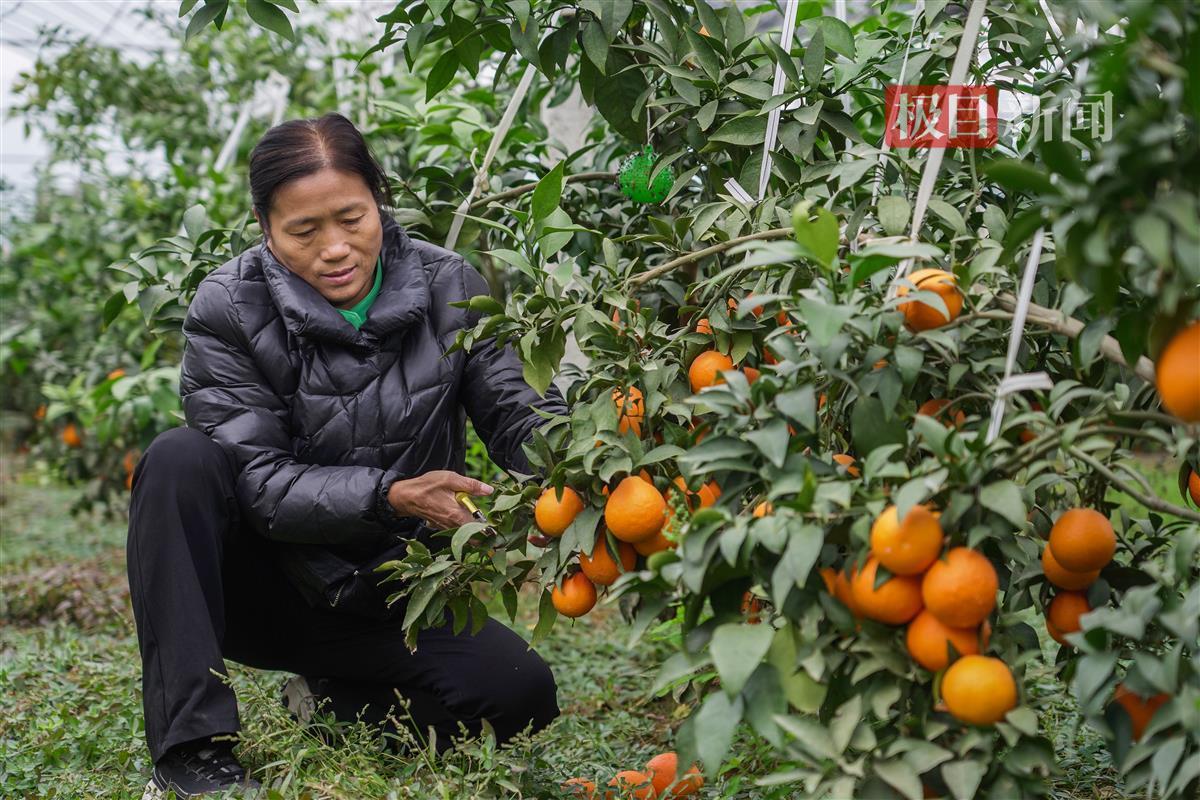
(464, 499)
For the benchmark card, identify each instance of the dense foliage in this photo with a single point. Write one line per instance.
(821, 363)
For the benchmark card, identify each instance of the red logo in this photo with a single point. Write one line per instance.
(941, 116)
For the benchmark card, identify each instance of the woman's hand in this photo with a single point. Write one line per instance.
(431, 497)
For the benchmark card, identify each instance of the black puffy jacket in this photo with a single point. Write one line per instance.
(321, 418)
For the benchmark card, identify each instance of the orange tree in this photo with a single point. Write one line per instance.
(797, 453)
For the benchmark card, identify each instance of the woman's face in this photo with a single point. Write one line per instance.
(325, 227)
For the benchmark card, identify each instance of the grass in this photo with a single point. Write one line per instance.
(70, 694)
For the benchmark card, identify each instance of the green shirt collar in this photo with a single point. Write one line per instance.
(358, 315)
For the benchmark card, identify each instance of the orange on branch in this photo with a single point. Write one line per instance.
(1139, 709)
(960, 589)
(1083, 540)
(934, 408)
(1193, 486)
(552, 514)
(706, 369)
(601, 568)
(848, 463)
(1065, 610)
(71, 436)
(580, 789)
(1177, 374)
(979, 690)
(894, 602)
(920, 316)
(1064, 578)
(630, 418)
(907, 547)
(575, 597)
(635, 510)
(927, 639)
(630, 785)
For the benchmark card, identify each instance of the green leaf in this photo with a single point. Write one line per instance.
(901, 777)
(809, 734)
(963, 777)
(737, 649)
(420, 598)
(894, 212)
(613, 94)
(823, 320)
(819, 236)
(772, 441)
(949, 213)
(185, 7)
(441, 74)
(548, 192)
(207, 13)
(486, 304)
(595, 45)
(871, 428)
(837, 36)
(1004, 497)
(547, 614)
(814, 60)
(800, 405)
(715, 723)
(613, 15)
(271, 18)
(1019, 176)
(743, 130)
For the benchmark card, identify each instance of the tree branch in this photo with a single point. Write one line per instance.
(1149, 501)
(1071, 327)
(696, 255)
(517, 191)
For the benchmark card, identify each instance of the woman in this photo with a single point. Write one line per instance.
(325, 429)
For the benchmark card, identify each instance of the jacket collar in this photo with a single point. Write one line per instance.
(402, 301)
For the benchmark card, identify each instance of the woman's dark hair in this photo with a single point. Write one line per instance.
(302, 147)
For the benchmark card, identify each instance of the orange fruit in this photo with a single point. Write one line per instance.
(751, 374)
(847, 461)
(706, 368)
(1193, 485)
(763, 509)
(129, 481)
(661, 770)
(1140, 709)
(116, 373)
(840, 586)
(655, 544)
(908, 547)
(633, 417)
(635, 511)
(601, 568)
(751, 608)
(630, 785)
(933, 408)
(39, 413)
(552, 514)
(895, 601)
(130, 460)
(1083, 540)
(580, 788)
(1065, 578)
(691, 782)
(960, 589)
(71, 436)
(919, 316)
(575, 597)
(708, 494)
(1064, 611)
(1056, 634)
(1177, 374)
(703, 326)
(979, 690)
(927, 638)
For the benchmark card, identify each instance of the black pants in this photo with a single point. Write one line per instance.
(204, 589)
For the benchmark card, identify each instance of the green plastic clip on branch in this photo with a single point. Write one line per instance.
(634, 178)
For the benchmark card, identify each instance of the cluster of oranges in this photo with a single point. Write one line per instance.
(1081, 544)
(638, 516)
(944, 598)
(658, 781)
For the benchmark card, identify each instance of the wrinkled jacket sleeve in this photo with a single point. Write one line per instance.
(226, 397)
(496, 396)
